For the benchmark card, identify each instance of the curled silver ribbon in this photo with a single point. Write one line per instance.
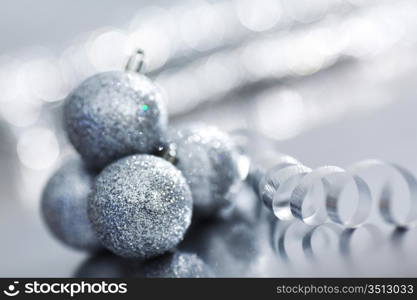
(334, 187)
(284, 188)
(386, 197)
(300, 192)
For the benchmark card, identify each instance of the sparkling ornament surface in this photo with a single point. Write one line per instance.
(208, 159)
(141, 206)
(64, 206)
(177, 265)
(115, 114)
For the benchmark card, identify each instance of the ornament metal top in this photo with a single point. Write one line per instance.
(114, 114)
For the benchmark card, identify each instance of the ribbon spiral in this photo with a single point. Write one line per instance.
(284, 189)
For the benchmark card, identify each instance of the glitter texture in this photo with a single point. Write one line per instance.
(115, 114)
(64, 206)
(177, 265)
(208, 159)
(141, 206)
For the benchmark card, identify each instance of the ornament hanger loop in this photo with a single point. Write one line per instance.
(136, 62)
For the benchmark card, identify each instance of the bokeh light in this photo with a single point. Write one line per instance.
(38, 148)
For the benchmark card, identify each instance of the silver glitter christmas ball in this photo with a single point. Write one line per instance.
(115, 114)
(176, 265)
(141, 206)
(64, 206)
(208, 159)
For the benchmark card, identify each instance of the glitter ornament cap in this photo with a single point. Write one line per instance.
(114, 114)
(64, 206)
(141, 206)
(208, 159)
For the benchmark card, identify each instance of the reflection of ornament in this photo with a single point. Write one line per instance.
(208, 159)
(64, 206)
(104, 264)
(176, 265)
(114, 114)
(141, 206)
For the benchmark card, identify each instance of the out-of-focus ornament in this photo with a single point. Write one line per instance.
(208, 159)
(176, 265)
(64, 206)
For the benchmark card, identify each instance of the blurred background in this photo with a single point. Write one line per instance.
(328, 82)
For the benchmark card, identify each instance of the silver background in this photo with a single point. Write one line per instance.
(368, 110)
